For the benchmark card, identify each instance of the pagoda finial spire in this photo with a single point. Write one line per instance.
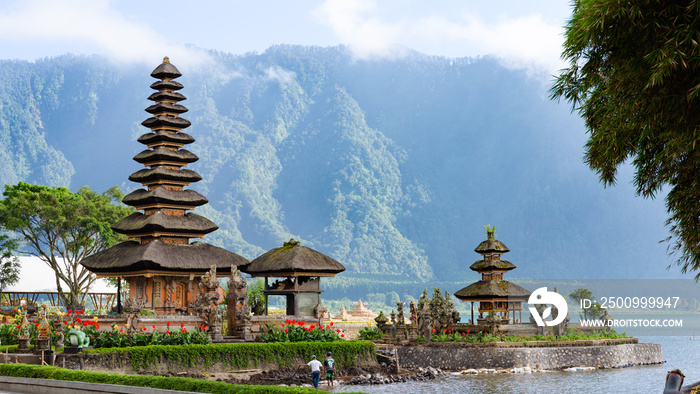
(490, 232)
(166, 60)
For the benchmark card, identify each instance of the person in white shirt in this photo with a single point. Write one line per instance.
(316, 367)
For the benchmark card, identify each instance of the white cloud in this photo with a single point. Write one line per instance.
(92, 24)
(354, 24)
(522, 42)
(282, 76)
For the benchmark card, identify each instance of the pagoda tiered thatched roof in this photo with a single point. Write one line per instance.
(159, 236)
(190, 224)
(491, 289)
(160, 195)
(492, 265)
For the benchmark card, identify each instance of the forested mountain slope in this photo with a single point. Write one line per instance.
(392, 167)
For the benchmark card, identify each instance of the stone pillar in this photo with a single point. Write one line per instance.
(427, 327)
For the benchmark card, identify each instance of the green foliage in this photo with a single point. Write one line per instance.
(595, 310)
(9, 264)
(8, 334)
(633, 76)
(242, 356)
(581, 294)
(256, 298)
(55, 223)
(146, 312)
(293, 331)
(156, 382)
(144, 337)
(486, 337)
(370, 333)
(8, 348)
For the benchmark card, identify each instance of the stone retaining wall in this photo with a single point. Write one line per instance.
(461, 358)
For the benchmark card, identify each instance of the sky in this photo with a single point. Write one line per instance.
(35, 275)
(523, 34)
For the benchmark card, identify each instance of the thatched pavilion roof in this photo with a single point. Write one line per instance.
(292, 259)
(131, 257)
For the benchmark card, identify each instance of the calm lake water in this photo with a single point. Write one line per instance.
(678, 352)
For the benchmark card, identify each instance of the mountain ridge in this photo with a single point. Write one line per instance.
(392, 167)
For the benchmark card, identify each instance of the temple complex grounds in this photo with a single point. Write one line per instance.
(170, 322)
(384, 351)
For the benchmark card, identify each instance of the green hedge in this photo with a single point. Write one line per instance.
(8, 348)
(158, 382)
(243, 355)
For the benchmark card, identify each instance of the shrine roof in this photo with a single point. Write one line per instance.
(292, 257)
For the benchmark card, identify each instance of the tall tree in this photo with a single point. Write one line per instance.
(9, 264)
(61, 228)
(634, 75)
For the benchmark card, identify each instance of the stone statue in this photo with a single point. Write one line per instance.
(59, 334)
(423, 301)
(23, 330)
(132, 322)
(400, 319)
(78, 338)
(133, 305)
(319, 312)
(381, 320)
(426, 328)
(414, 313)
(238, 308)
(207, 304)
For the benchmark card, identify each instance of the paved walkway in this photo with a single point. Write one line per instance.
(12, 385)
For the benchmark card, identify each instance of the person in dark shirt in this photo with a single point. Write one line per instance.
(329, 366)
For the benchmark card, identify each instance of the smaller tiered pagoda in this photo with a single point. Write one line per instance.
(299, 270)
(493, 294)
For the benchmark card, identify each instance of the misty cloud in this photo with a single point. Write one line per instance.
(523, 42)
(282, 76)
(95, 27)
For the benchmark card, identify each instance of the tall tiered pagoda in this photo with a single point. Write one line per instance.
(493, 294)
(158, 261)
